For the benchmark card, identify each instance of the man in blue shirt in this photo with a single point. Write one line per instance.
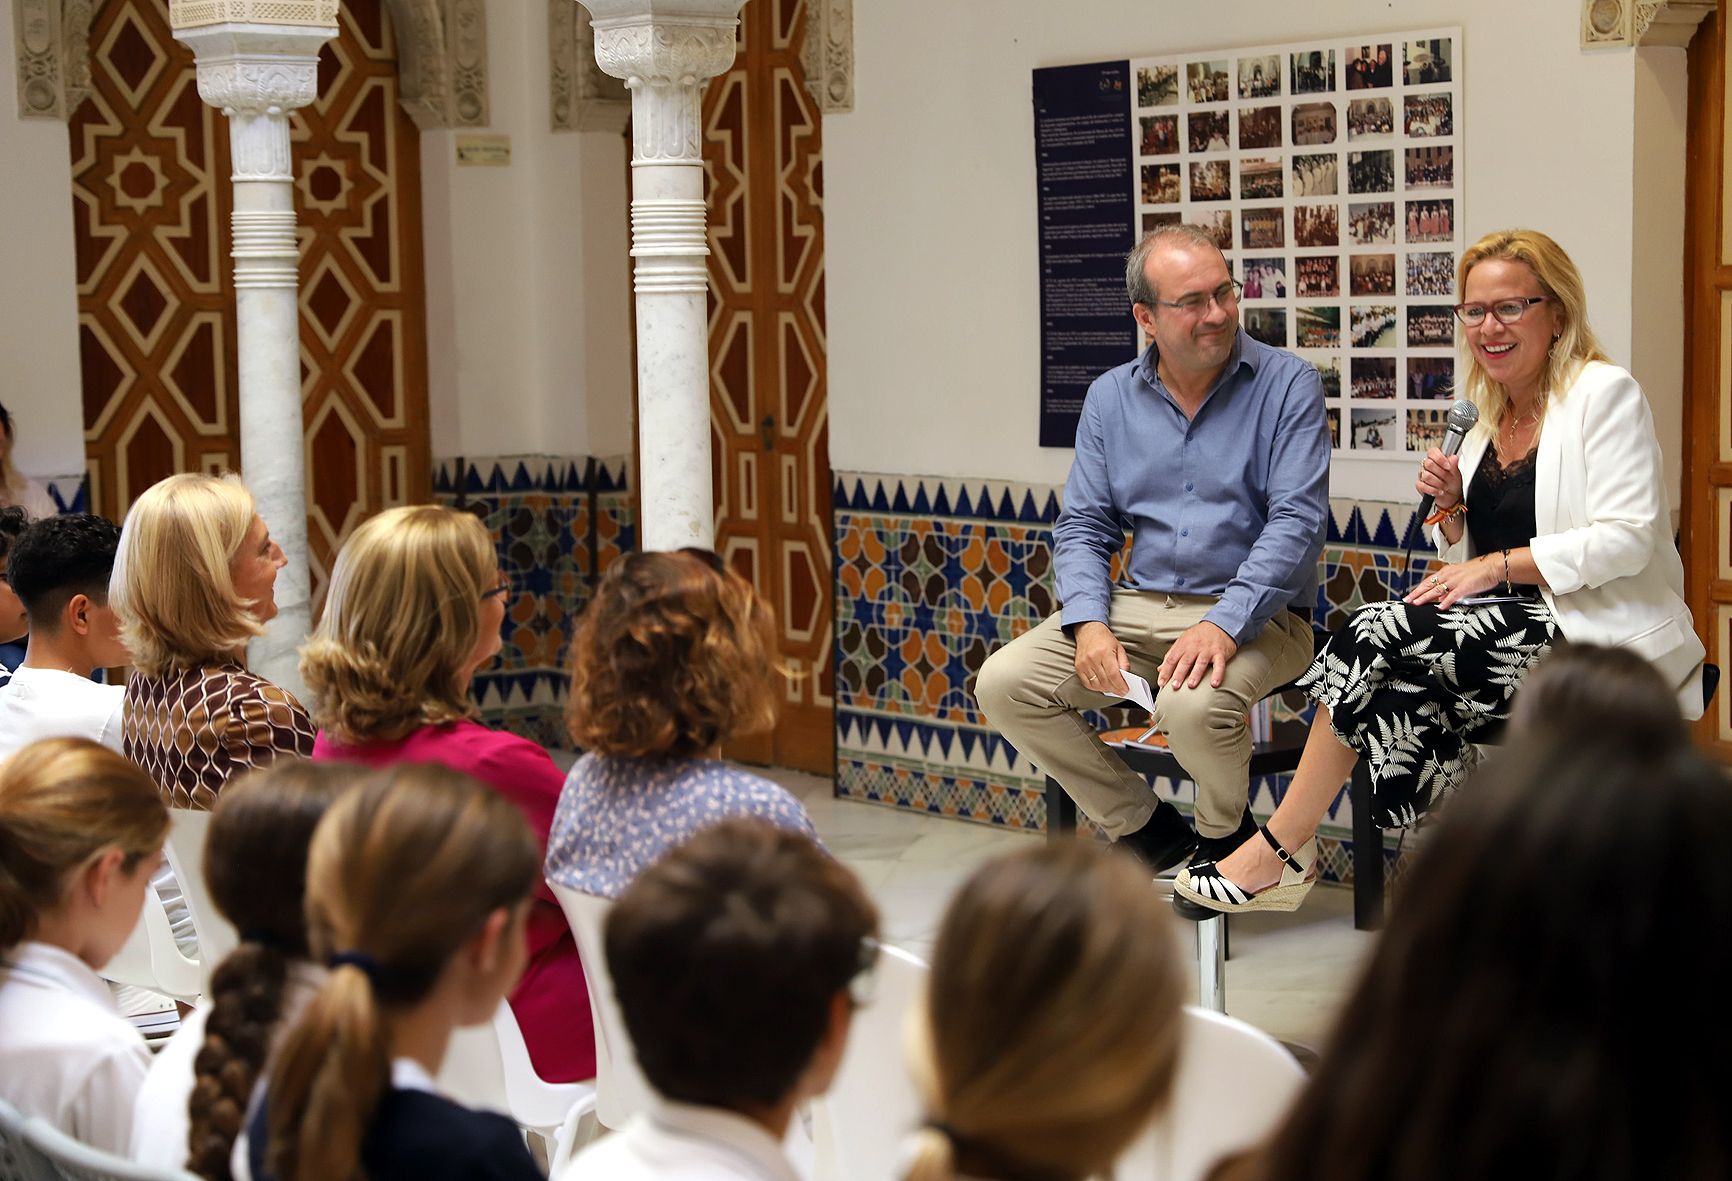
(1213, 451)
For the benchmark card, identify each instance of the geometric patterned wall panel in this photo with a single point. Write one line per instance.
(558, 523)
(152, 198)
(150, 170)
(769, 399)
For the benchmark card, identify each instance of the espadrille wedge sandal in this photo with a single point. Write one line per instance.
(1206, 886)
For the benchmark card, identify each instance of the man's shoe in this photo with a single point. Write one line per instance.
(1165, 841)
(1215, 848)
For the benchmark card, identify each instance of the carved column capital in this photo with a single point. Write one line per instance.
(664, 52)
(1612, 24)
(188, 14)
(257, 70)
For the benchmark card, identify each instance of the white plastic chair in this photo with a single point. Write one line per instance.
(861, 1121)
(151, 959)
(188, 829)
(1221, 1058)
(32, 1149)
(621, 1090)
(488, 1066)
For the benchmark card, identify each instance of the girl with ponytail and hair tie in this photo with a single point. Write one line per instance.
(1049, 1036)
(194, 1101)
(418, 892)
(81, 831)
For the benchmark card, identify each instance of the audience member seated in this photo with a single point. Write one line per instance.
(419, 884)
(81, 831)
(1049, 1037)
(1557, 503)
(738, 960)
(194, 580)
(194, 1100)
(415, 607)
(1549, 997)
(14, 620)
(16, 488)
(1593, 690)
(675, 656)
(59, 569)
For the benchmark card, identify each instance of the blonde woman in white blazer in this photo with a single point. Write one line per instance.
(1555, 508)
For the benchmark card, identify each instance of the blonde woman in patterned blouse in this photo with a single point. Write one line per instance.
(193, 581)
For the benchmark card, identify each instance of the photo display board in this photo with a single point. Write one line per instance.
(1330, 173)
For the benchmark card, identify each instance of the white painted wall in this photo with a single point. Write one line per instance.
(528, 285)
(1657, 248)
(930, 208)
(38, 299)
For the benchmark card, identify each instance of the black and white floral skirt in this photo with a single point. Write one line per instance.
(1408, 686)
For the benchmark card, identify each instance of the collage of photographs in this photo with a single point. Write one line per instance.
(1329, 175)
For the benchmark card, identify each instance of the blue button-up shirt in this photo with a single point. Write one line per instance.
(1232, 503)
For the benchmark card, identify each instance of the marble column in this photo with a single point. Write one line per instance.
(256, 72)
(665, 50)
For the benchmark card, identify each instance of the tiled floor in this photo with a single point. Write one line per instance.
(1287, 973)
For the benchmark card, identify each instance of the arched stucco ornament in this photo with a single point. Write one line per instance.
(580, 96)
(828, 54)
(441, 58)
(1611, 24)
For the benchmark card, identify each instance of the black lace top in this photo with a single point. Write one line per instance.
(1500, 503)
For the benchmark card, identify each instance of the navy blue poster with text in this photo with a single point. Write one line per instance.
(1082, 139)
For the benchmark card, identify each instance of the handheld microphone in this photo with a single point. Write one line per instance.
(1461, 418)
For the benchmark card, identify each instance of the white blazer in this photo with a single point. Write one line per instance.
(1602, 530)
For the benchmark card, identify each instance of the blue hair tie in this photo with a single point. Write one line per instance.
(360, 959)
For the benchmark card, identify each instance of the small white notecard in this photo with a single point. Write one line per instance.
(1139, 690)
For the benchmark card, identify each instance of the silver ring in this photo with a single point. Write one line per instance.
(1436, 581)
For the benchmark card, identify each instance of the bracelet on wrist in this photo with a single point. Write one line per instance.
(1444, 514)
(1508, 587)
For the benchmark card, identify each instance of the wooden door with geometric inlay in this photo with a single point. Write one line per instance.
(768, 402)
(151, 198)
(1707, 493)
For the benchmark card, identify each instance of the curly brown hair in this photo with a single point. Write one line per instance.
(675, 655)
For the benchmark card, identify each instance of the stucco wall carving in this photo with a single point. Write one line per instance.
(828, 54)
(187, 14)
(1610, 24)
(441, 51)
(581, 97)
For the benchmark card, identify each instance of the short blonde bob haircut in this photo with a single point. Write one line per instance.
(402, 621)
(1561, 283)
(173, 585)
(675, 655)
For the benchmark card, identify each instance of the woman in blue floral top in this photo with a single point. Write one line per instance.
(675, 657)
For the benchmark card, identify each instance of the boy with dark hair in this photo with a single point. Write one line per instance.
(59, 570)
(733, 959)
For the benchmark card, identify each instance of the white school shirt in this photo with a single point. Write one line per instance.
(51, 703)
(66, 1053)
(161, 1121)
(681, 1142)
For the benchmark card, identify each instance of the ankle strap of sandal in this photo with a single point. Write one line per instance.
(1287, 858)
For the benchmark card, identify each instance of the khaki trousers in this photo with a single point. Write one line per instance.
(1030, 692)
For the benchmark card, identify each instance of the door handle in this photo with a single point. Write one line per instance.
(768, 427)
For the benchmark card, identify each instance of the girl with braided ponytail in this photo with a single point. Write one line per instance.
(81, 831)
(194, 1100)
(416, 606)
(1049, 1036)
(419, 884)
